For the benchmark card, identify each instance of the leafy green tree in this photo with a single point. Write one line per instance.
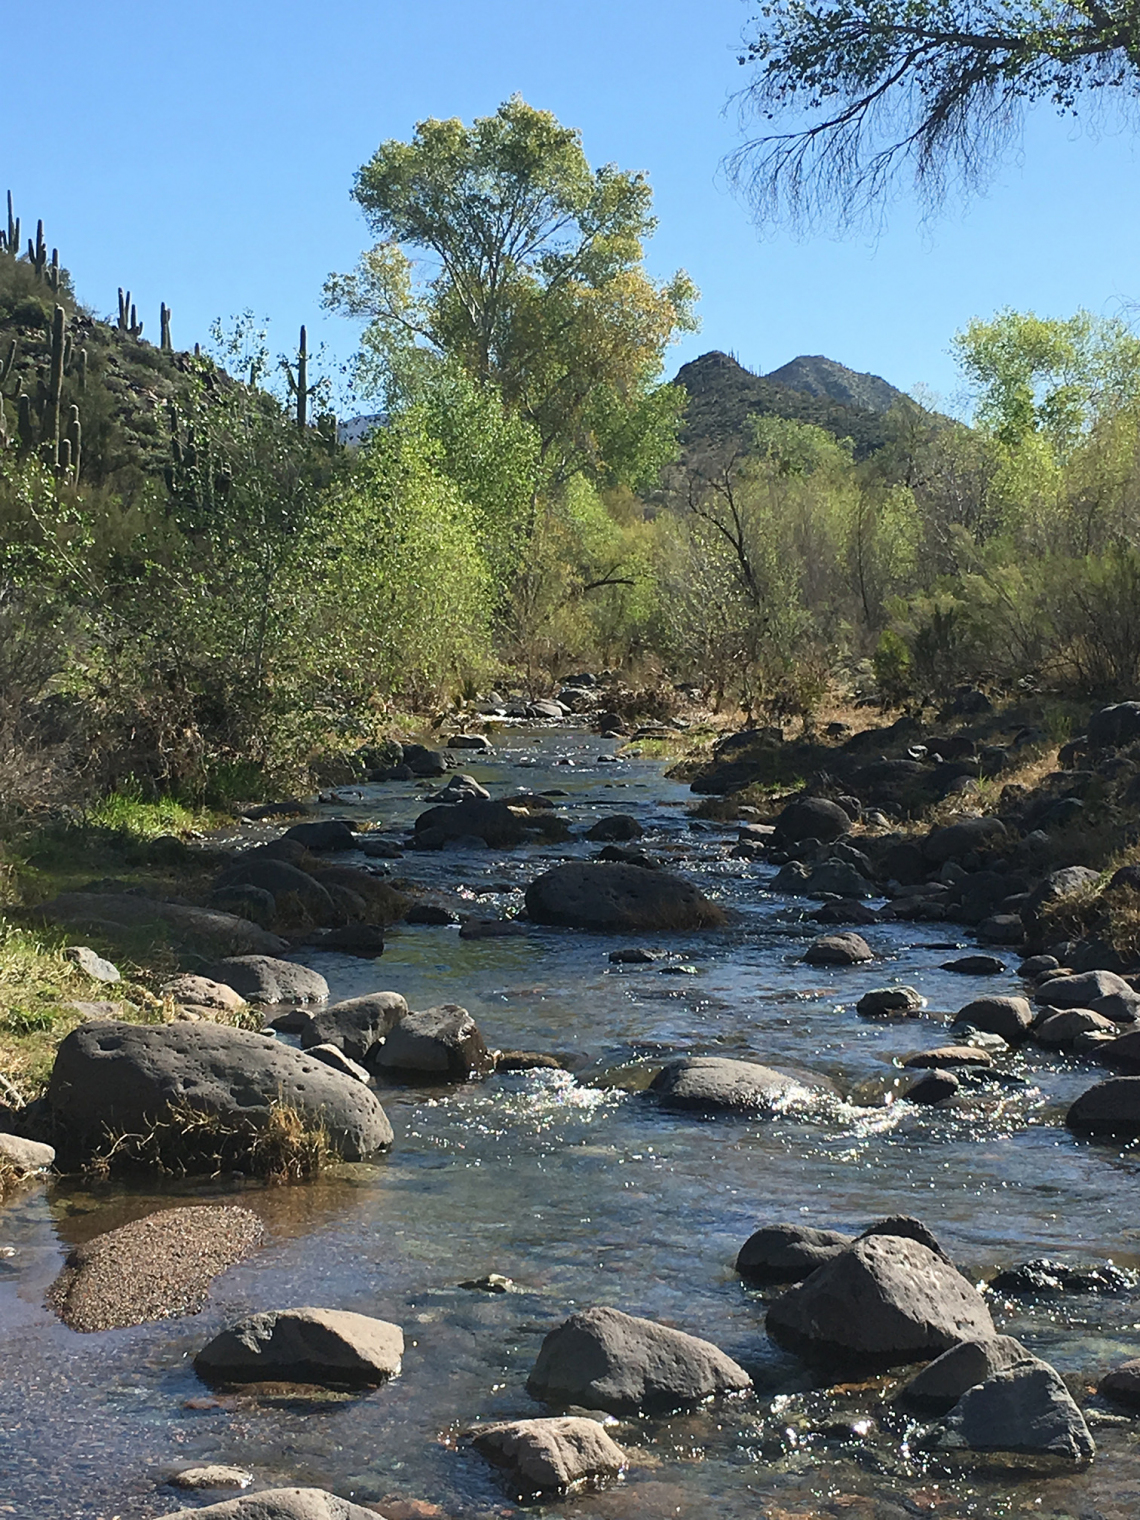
(502, 250)
(1049, 375)
(858, 90)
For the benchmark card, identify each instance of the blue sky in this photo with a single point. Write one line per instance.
(203, 155)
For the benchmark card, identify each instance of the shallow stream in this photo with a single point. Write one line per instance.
(579, 1190)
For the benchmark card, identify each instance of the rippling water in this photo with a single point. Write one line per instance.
(578, 1189)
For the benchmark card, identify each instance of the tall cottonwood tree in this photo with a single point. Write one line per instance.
(501, 249)
(852, 92)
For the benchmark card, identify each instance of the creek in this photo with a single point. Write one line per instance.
(581, 1191)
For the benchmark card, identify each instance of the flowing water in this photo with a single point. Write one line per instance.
(578, 1189)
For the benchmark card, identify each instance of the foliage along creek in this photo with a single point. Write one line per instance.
(579, 1189)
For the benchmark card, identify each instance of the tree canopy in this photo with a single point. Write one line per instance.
(855, 92)
(502, 250)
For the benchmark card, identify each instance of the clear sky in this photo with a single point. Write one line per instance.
(202, 154)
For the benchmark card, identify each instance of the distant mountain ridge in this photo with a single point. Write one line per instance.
(820, 376)
(723, 395)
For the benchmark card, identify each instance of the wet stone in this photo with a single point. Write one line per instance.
(838, 950)
(885, 1001)
(214, 1476)
(788, 1252)
(975, 965)
(279, 1504)
(550, 1454)
(944, 1057)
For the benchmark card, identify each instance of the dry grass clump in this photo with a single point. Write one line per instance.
(187, 1141)
(10, 1176)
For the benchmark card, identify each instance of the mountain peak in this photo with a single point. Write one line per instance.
(820, 376)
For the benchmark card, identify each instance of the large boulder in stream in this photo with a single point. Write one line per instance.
(118, 1076)
(811, 818)
(1025, 1411)
(442, 1042)
(618, 899)
(499, 826)
(942, 1382)
(1109, 1108)
(886, 1299)
(788, 1252)
(204, 929)
(604, 1359)
(716, 1084)
(278, 1504)
(304, 1345)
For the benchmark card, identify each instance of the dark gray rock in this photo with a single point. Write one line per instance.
(356, 1024)
(471, 741)
(975, 965)
(430, 913)
(550, 1454)
(847, 949)
(788, 1252)
(1026, 1410)
(1062, 1029)
(1123, 1383)
(1059, 884)
(882, 1002)
(204, 929)
(364, 940)
(254, 903)
(619, 828)
(117, 1076)
(835, 878)
(886, 1299)
(1114, 726)
(295, 893)
(715, 1084)
(928, 1087)
(1123, 1053)
(954, 840)
(618, 899)
(438, 1042)
(1038, 965)
(334, 1057)
(1080, 991)
(499, 826)
(1009, 1017)
(265, 979)
(942, 1382)
(304, 1345)
(1120, 1007)
(811, 818)
(604, 1359)
(327, 835)
(1109, 1108)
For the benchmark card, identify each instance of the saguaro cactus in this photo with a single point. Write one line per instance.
(299, 382)
(128, 316)
(74, 445)
(37, 252)
(12, 242)
(164, 321)
(50, 434)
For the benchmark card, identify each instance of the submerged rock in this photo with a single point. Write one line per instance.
(304, 1345)
(604, 1359)
(618, 899)
(153, 1268)
(550, 1454)
(889, 1000)
(885, 1299)
(278, 1504)
(715, 1084)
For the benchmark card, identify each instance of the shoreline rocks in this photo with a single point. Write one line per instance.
(618, 899)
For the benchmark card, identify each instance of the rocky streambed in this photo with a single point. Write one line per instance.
(610, 1180)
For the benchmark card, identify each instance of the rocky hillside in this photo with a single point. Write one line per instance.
(723, 395)
(823, 377)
